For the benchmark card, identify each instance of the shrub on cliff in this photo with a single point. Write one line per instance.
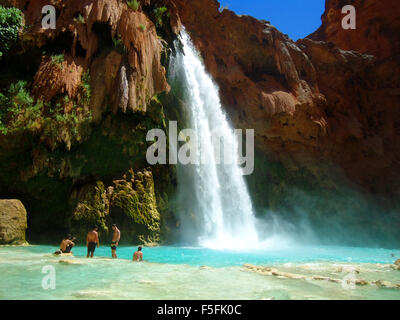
(159, 15)
(10, 22)
(58, 59)
(133, 4)
(18, 109)
(21, 113)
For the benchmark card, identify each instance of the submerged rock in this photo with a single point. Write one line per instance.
(70, 254)
(285, 275)
(71, 262)
(205, 268)
(13, 222)
(386, 284)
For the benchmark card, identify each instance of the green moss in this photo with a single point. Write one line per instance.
(130, 203)
(133, 4)
(135, 196)
(119, 45)
(92, 210)
(58, 59)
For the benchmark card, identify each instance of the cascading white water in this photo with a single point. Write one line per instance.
(222, 201)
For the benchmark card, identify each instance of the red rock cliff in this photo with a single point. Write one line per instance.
(309, 102)
(377, 28)
(84, 28)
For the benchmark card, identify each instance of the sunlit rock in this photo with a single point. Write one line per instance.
(13, 222)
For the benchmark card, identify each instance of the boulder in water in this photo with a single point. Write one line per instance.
(316, 277)
(397, 263)
(13, 222)
(385, 284)
(60, 254)
(205, 268)
(70, 262)
(361, 282)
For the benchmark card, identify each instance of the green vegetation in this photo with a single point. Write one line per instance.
(10, 22)
(80, 19)
(119, 45)
(27, 28)
(92, 210)
(142, 27)
(58, 59)
(131, 202)
(133, 4)
(86, 90)
(21, 113)
(134, 194)
(159, 15)
(15, 102)
(131, 196)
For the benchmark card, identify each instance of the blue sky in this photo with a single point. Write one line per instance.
(297, 18)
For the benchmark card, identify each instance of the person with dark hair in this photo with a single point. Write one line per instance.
(66, 245)
(138, 255)
(115, 240)
(92, 240)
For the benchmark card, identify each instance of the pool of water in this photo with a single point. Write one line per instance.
(193, 273)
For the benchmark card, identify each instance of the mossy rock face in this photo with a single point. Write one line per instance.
(130, 203)
(92, 210)
(47, 179)
(134, 196)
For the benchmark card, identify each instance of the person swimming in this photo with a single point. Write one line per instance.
(66, 245)
(138, 255)
(92, 240)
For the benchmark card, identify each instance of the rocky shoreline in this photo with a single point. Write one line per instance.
(344, 271)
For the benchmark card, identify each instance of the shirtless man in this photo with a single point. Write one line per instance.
(115, 240)
(67, 244)
(138, 255)
(91, 240)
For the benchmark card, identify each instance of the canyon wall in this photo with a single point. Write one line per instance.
(76, 105)
(326, 119)
(77, 102)
(377, 27)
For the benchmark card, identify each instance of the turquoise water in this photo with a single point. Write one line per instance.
(179, 273)
(214, 258)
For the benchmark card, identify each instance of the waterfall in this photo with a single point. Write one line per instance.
(216, 193)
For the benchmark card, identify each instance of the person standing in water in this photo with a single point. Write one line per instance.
(92, 240)
(115, 240)
(138, 255)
